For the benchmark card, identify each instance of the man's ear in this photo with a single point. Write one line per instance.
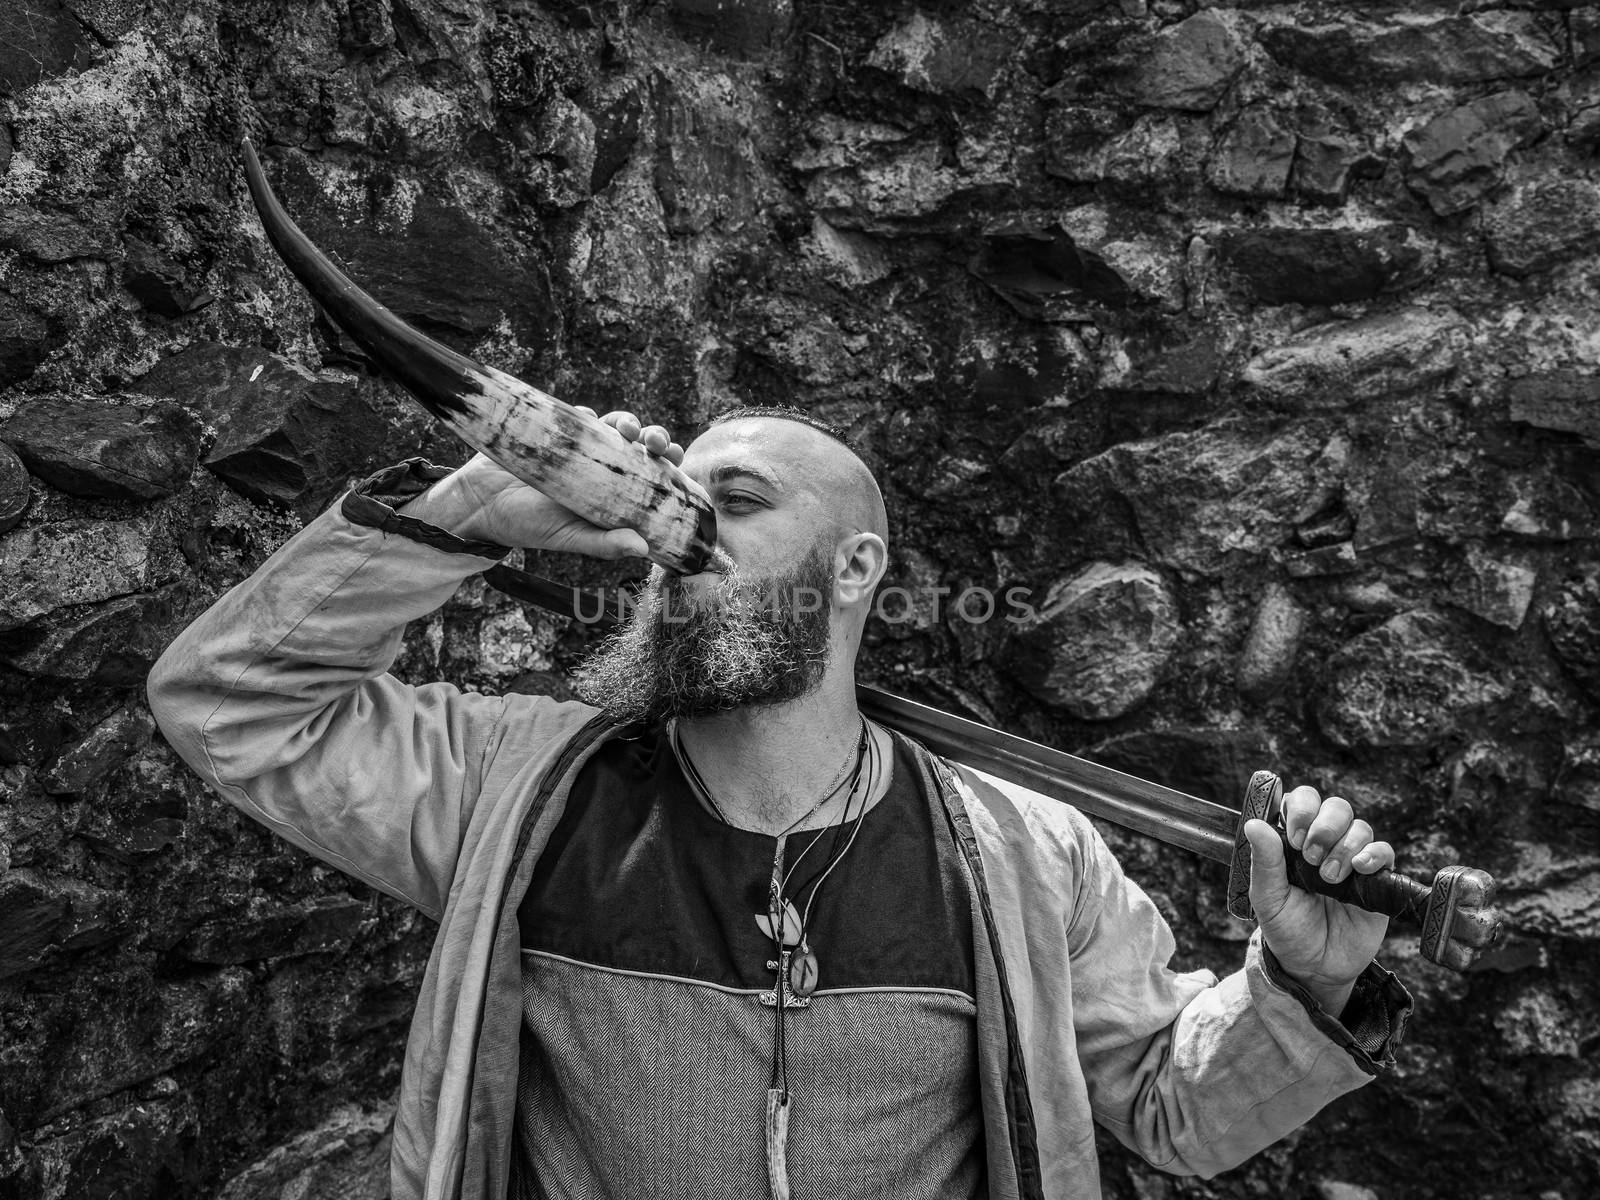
(859, 561)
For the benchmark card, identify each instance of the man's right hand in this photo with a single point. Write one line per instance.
(483, 501)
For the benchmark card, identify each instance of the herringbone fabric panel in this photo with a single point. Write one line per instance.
(637, 1087)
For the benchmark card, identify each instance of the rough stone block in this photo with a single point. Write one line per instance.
(1267, 659)
(1035, 366)
(110, 20)
(1552, 892)
(1544, 507)
(1337, 559)
(1189, 66)
(110, 744)
(1142, 368)
(1254, 157)
(1583, 27)
(26, 338)
(1420, 49)
(1560, 400)
(114, 643)
(38, 911)
(563, 144)
(1084, 256)
(48, 237)
(1326, 530)
(33, 909)
(1202, 501)
(851, 259)
(277, 931)
(130, 1151)
(16, 489)
(39, 40)
(31, 824)
(1572, 623)
(46, 567)
(1333, 1189)
(365, 26)
(1326, 266)
(1542, 225)
(1077, 138)
(158, 281)
(618, 121)
(955, 58)
(1155, 153)
(1322, 167)
(1583, 131)
(100, 447)
(139, 1031)
(346, 1157)
(1457, 158)
(283, 435)
(1494, 780)
(530, 58)
(1100, 641)
(703, 169)
(1577, 785)
(1037, 268)
(1414, 478)
(1412, 681)
(1348, 362)
(741, 28)
(1495, 586)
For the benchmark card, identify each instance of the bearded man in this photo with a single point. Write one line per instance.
(712, 934)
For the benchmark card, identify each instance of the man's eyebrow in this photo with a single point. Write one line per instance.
(738, 470)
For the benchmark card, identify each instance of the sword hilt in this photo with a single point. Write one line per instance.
(1453, 912)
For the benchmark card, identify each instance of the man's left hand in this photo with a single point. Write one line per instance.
(1322, 943)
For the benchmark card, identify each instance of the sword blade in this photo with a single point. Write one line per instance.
(1161, 812)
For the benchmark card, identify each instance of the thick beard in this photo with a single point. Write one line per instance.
(739, 643)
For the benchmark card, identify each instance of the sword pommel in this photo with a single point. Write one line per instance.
(1453, 912)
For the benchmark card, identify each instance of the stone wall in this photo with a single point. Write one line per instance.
(1257, 341)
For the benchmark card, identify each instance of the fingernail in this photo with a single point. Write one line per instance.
(1330, 870)
(1313, 854)
(1297, 838)
(1363, 859)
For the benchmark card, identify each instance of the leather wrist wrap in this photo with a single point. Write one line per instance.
(373, 501)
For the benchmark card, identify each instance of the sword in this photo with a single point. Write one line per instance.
(1454, 911)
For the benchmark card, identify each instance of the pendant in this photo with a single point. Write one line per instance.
(782, 992)
(778, 1143)
(785, 920)
(803, 972)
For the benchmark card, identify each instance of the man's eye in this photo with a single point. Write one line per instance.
(739, 501)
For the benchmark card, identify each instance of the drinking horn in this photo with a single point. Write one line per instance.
(575, 459)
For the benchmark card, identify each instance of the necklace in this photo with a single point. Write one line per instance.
(698, 785)
(803, 970)
(797, 969)
(795, 961)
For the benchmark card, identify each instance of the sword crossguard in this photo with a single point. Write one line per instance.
(1454, 912)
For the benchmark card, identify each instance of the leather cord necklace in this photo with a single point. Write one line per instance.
(703, 793)
(797, 969)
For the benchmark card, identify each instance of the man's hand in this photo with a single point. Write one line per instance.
(1319, 941)
(483, 501)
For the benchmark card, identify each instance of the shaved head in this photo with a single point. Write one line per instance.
(818, 456)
